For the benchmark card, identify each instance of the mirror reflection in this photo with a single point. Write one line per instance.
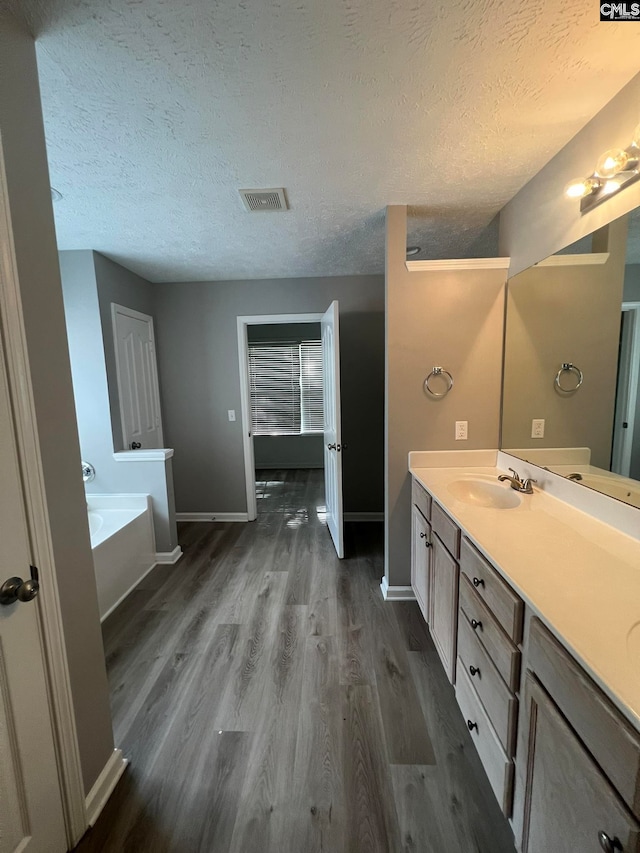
(572, 362)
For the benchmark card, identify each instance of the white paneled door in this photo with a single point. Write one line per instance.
(332, 426)
(137, 379)
(31, 815)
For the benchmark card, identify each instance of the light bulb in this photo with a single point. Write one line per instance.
(612, 162)
(581, 187)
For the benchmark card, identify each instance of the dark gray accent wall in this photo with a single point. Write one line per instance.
(119, 285)
(199, 375)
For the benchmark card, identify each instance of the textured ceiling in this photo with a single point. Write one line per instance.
(158, 111)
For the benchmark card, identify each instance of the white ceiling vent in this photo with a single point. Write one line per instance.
(272, 199)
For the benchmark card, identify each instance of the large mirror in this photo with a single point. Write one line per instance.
(572, 362)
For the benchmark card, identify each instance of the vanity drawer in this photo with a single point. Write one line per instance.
(489, 632)
(498, 701)
(506, 606)
(498, 767)
(447, 530)
(607, 735)
(421, 498)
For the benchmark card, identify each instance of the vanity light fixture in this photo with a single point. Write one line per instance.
(615, 170)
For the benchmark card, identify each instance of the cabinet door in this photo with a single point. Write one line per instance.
(420, 559)
(444, 605)
(569, 805)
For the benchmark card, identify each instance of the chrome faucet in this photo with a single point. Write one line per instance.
(517, 484)
(574, 476)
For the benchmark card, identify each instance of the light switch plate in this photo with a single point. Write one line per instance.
(232, 414)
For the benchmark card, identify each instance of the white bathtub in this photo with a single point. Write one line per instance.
(123, 545)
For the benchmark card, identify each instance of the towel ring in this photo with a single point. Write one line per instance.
(439, 371)
(567, 367)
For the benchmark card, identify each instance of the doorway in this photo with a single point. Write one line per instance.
(626, 421)
(289, 417)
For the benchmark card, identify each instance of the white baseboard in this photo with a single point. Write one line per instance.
(396, 593)
(168, 558)
(104, 785)
(212, 516)
(364, 516)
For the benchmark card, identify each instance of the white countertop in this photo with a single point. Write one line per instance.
(578, 574)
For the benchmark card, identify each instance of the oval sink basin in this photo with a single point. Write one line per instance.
(485, 493)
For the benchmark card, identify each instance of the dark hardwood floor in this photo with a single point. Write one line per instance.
(269, 700)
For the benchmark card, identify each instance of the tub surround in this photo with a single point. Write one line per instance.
(123, 545)
(578, 573)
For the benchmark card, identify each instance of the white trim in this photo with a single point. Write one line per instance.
(363, 516)
(452, 264)
(574, 260)
(243, 322)
(159, 454)
(626, 443)
(214, 516)
(168, 558)
(146, 318)
(396, 593)
(52, 633)
(104, 785)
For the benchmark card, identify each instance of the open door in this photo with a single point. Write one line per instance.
(332, 426)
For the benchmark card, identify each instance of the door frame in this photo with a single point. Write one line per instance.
(245, 397)
(626, 441)
(135, 315)
(52, 641)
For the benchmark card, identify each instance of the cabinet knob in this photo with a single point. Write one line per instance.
(474, 670)
(423, 535)
(475, 624)
(478, 582)
(471, 725)
(608, 844)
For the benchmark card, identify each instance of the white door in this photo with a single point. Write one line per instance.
(332, 426)
(627, 390)
(31, 816)
(137, 378)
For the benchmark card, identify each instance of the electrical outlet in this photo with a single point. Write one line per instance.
(537, 428)
(232, 414)
(461, 430)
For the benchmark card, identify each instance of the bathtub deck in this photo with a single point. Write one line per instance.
(269, 700)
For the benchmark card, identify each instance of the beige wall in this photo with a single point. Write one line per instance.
(540, 220)
(37, 264)
(560, 314)
(452, 319)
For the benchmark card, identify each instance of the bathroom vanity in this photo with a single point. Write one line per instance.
(534, 609)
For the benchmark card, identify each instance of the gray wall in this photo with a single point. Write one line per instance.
(631, 283)
(199, 375)
(557, 314)
(92, 401)
(119, 285)
(452, 319)
(287, 451)
(29, 200)
(539, 220)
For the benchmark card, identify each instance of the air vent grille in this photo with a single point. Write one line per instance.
(271, 199)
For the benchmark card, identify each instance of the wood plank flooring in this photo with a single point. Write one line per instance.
(269, 700)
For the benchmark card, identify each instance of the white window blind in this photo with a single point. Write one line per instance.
(286, 387)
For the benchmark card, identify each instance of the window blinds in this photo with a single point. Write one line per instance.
(286, 387)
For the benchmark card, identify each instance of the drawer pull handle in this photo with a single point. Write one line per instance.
(471, 726)
(478, 582)
(610, 845)
(474, 670)
(475, 624)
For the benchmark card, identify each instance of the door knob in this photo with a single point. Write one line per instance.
(15, 589)
(135, 445)
(331, 446)
(610, 845)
